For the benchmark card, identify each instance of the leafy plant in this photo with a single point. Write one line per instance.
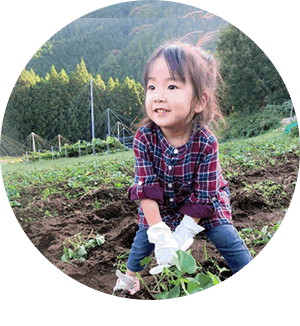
(256, 237)
(80, 246)
(269, 190)
(121, 260)
(87, 147)
(175, 281)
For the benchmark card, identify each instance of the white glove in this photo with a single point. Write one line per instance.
(165, 244)
(185, 232)
(126, 282)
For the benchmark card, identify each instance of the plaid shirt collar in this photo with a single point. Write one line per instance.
(168, 149)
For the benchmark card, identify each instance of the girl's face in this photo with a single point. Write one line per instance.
(168, 101)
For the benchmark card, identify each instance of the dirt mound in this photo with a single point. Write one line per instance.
(116, 219)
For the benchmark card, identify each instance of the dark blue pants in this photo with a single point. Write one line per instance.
(224, 237)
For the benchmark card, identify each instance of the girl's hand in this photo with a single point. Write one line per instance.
(165, 244)
(185, 232)
(126, 282)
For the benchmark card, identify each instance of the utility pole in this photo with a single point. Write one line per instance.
(59, 143)
(108, 130)
(33, 142)
(92, 117)
(123, 136)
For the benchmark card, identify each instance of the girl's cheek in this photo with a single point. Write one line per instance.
(148, 98)
(147, 103)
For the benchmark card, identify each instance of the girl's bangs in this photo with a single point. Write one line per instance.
(175, 59)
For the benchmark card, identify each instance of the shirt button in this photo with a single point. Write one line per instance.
(214, 198)
(140, 183)
(170, 167)
(170, 185)
(175, 151)
(171, 200)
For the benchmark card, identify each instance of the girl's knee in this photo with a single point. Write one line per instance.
(230, 245)
(223, 235)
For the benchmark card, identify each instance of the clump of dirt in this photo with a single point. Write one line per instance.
(116, 219)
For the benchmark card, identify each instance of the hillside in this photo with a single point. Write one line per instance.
(110, 46)
(117, 40)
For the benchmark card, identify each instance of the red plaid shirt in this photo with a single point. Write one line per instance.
(186, 180)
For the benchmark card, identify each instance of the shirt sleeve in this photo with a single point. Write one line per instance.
(204, 195)
(146, 184)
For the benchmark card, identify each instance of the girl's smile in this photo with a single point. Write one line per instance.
(168, 100)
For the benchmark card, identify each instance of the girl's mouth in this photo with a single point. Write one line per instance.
(161, 111)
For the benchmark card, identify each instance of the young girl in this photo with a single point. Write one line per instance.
(178, 177)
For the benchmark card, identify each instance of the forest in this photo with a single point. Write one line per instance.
(110, 46)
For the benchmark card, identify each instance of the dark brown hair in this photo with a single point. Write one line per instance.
(186, 61)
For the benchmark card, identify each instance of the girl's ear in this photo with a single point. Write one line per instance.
(201, 104)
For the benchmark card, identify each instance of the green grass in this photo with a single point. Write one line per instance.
(62, 162)
(77, 176)
(71, 177)
(257, 152)
(271, 144)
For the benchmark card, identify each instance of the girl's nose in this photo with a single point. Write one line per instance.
(159, 97)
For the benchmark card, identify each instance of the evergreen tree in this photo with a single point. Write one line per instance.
(18, 115)
(251, 79)
(110, 84)
(81, 76)
(99, 82)
(47, 77)
(131, 99)
(26, 79)
(63, 77)
(54, 76)
(36, 77)
(80, 104)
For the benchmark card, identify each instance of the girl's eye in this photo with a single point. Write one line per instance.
(172, 87)
(151, 87)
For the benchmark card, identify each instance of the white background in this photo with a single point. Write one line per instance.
(35, 292)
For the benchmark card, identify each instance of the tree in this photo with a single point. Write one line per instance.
(63, 77)
(81, 76)
(99, 82)
(131, 98)
(18, 114)
(53, 74)
(27, 79)
(252, 80)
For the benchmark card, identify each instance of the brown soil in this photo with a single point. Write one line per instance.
(117, 221)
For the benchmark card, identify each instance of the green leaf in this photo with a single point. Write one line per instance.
(178, 281)
(214, 278)
(64, 258)
(264, 229)
(118, 185)
(15, 203)
(71, 254)
(90, 244)
(223, 269)
(203, 279)
(248, 230)
(161, 296)
(185, 262)
(145, 261)
(174, 293)
(100, 239)
(81, 252)
(193, 286)
(163, 286)
(177, 273)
